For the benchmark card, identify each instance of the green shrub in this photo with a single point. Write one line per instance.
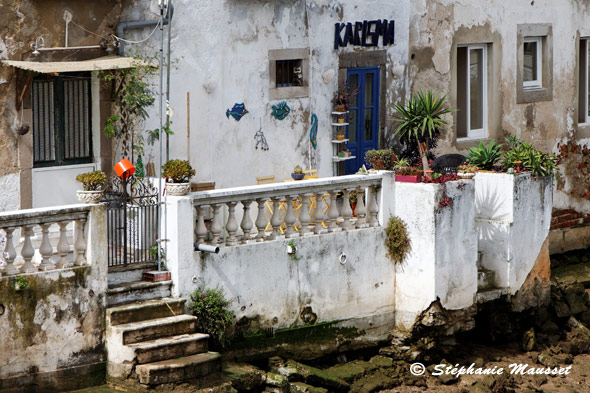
(397, 240)
(381, 159)
(214, 317)
(92, 181)
(484, 157)
(178, 170)
(531, 159)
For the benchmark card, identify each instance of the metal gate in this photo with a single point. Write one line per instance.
(132, 221)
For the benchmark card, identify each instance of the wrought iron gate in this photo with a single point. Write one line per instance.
(132, 221)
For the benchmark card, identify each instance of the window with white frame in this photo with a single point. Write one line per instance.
(532, 71)
(472, 115)
(584, 82)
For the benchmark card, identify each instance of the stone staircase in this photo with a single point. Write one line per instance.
(149, 337)
(487, 289)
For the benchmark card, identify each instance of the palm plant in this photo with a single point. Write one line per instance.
(420, 119)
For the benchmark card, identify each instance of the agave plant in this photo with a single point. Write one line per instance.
(484, 156)
(525, 155)
(420, 119)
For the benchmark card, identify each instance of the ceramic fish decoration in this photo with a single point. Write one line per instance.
(280, 111)
(237, 112)
(313, 133)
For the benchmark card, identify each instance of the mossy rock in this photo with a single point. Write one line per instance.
(300, 387)
(381, 361)
(295, 371)
(374, 382)
(244, 376)
(351, 371)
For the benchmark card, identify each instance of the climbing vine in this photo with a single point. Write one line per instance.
(397, 240)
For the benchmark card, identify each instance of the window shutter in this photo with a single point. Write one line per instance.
(43, 121)
(76, 119)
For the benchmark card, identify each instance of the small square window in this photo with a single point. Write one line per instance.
(289, 73)
(532, 63)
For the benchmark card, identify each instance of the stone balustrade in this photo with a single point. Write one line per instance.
(285, 210)
(43, 219)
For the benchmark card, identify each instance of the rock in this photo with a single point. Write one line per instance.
(550, 327)
(540, 379)
(296, 372)
(585, 317)
(276, 380)
(576, 298)
(448, 379)
(562, 310)
(546, 359)
(578, 337)
(488, 381)
(374, 382)
(529, 340)
(479, 362)
(479, 387)
(352, 370)
(381, 361)
(300, 387)
(243, 376)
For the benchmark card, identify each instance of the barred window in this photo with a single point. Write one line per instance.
(61, 121)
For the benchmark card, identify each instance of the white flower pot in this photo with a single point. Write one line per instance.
(89, 196)
(177, 189)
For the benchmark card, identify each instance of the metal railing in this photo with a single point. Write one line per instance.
(43, 219)
(289, 209)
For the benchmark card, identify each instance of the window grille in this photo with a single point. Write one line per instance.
(289, 73)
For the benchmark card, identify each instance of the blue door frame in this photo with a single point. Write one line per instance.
(362, 131)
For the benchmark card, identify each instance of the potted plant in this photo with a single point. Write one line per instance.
(421, 120)
(297, 173)
(177, 174)
(381, 159)
(485, 157)
(467, 171)
(92, 184)
(342, 100)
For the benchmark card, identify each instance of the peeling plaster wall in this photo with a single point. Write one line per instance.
(21, 22)
(437, 26)
(220, 51)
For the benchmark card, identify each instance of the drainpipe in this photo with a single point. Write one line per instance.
(139, 24)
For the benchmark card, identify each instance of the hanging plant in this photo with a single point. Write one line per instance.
(397, 240)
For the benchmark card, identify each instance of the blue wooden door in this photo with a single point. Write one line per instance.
(363, 117)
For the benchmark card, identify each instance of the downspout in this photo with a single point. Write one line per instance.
(139, 24)
(170, 14)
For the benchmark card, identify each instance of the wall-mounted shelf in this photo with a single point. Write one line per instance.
(338, 159)
(339, 141)
(340, 124)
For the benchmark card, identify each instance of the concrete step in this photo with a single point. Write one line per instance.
(152, 329)
(121, 274)
(180, 369)
(170, 347)
(490, 294)
(486, 279)
(129, 292)
(142, 311)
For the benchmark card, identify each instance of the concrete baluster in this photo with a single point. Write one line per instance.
(63, 247)
(80, 242)
(372, 206)
(28, 252)
(346, 210)
(260, 219)
(361, 209)
(215, 225)
(290, 217)
(9, 254)
(318, 214)
(333, 213)
(275, 220)
(46, 250)
(304, 217)
(201, 228)
(231, 226)
(246, 223)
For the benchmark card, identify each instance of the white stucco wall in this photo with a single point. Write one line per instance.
(220, 52)
(442, 262)
(513, 214)
(267, 285)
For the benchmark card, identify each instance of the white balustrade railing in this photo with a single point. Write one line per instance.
(289, 209)
(43, 220)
